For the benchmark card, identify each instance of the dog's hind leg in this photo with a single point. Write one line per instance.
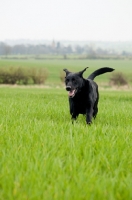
(95, 109)
(95, 112)
(96, 105)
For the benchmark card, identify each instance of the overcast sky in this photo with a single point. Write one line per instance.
(106, 20)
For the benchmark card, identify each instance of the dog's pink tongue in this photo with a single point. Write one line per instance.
(71, 93)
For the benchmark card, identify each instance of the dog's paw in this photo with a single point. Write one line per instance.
(89, 123)
(73, 120)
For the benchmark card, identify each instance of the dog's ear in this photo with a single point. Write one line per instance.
(67, 72)
(81, 72)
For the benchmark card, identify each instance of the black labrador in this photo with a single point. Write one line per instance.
(83, 93)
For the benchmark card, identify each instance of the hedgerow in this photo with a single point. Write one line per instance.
(22, 75)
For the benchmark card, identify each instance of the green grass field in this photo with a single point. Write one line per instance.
(44, 156)
(55, 67)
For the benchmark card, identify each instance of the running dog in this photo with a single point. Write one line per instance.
(83, 93)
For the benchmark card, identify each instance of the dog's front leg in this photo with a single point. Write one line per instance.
(89, 115)
(73, 110)
(74, 117)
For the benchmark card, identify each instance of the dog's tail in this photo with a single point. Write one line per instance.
(99, 72)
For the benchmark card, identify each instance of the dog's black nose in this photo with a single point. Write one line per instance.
(68, 88)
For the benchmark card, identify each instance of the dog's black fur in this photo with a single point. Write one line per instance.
(83, 93)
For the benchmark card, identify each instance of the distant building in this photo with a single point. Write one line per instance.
(58, 45)
(53, 44)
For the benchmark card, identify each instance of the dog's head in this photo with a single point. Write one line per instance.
(74, 82)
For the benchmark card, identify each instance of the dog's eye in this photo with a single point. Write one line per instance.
(67, 80)
(73, 80)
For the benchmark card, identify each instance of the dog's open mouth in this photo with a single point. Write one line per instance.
(72, 93)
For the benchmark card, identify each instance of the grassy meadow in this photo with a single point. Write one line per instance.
(55, 67)
(44, 156)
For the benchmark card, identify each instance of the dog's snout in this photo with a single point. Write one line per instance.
(68, 88)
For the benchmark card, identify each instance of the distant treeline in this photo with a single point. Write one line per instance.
(58, 49)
